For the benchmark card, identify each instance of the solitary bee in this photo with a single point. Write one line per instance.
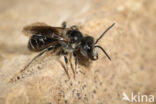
(45, 38)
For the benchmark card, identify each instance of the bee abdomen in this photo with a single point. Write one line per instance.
(39, 42)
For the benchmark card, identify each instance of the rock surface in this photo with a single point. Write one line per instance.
(131, 45)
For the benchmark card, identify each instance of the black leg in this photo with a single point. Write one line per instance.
(76, 61)
(41, 53)
(64, 24)
(66, 68)
(74, 27)
(66, 61)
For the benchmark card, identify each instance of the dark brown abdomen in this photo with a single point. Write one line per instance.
(39, 42)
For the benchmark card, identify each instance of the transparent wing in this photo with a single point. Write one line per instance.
(42, 29)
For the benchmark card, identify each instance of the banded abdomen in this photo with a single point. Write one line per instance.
(39, 42)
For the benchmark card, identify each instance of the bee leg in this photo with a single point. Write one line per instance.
(72, 65)
(76, 61)
(66, 62)
(64, 24)
(41, 53)
(74, 27)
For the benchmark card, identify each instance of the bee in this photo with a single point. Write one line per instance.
(70, 40)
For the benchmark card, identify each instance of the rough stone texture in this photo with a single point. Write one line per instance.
(131, 45)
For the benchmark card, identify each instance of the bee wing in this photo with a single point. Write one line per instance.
(42, 29)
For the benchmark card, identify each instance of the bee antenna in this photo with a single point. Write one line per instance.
(104, 33)
(104, 52)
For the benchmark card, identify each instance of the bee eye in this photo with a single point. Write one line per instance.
(87, 43)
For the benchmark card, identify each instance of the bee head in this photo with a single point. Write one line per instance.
(87, 48)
